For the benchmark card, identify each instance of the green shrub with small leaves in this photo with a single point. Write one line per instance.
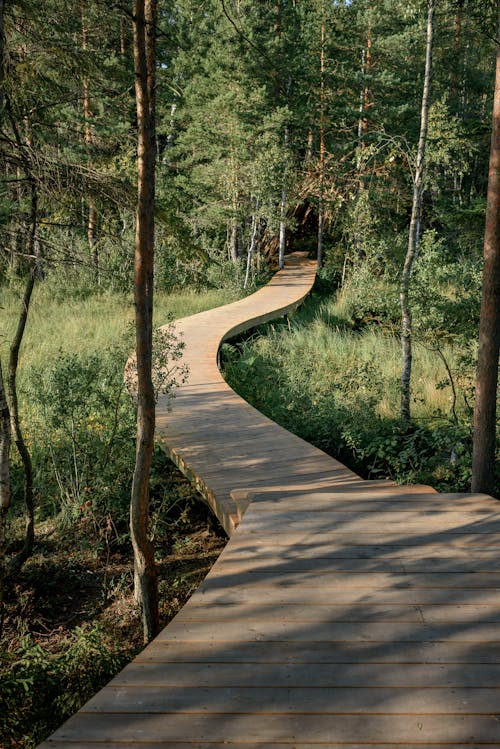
(41, 689)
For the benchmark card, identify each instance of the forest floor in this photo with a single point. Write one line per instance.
(63, 586)
(72, 605)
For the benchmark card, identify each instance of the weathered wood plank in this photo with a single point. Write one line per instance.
(332, 632)
(315, 701)
(350, 579)
(281, 675)
(327, 612)
(244, 652)
(283, 728)
(246, 744)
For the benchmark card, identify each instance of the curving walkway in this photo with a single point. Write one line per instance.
(342, 613)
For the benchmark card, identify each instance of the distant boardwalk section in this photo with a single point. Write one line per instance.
(342, 612)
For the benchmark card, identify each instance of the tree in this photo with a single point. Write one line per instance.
(484, 447)
(5, 436)
(145, 577)
(414, 233)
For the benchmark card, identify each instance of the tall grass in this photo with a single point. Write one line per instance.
(339, 388)
(87, 323)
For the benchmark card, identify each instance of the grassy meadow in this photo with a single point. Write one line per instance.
(88, 322)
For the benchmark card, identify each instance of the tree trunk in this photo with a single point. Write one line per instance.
(282, 240)
(87, 115)
(29, 501)
(5, 435)
(484, 447)
(1, 57)
(319, 259)
(414, 233)
(146, 586)
(233, 242)
(251, 248)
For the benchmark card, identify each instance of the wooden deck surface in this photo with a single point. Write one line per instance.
(342, 613)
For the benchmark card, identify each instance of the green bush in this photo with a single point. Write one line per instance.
(80, 425)
(41, 689)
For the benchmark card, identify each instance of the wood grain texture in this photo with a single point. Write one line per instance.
(342, 613)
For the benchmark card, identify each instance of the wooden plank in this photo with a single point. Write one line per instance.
(350, 579)
(260, 651)
(296, 675)
(284, 728)
(329, 612)
(315, 701)
(331, 632)
(245, 744)
(298, 595)
(467, 564)
(359, 498)
(407, 522)
(255, 547)
(481, 540)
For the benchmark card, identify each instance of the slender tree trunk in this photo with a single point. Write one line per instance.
(462, 106)
(146, 586)
(17, 432)
(309, 148)
(361, 118)
(282, 235)
(1, 58)
(123, 46)
(321, 139)
(5, 436)
(414, 233)
(457, 29)
(87, 115)
(484, 447)
(251, 248)
(283, 202)
(233, 241)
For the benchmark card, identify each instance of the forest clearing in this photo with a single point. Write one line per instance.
(167, 158)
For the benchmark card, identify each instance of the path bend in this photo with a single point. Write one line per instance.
(342, 612)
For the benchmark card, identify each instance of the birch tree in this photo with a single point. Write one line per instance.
(414, 232)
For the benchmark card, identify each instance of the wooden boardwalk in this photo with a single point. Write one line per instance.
(342, 613)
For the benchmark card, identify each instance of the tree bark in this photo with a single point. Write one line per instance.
(283, 203)
(22, 448)
(87, 116)
(146, 586)
(1, 57)
(484, 445)
(319, 255)
(414, 233)
(251, 248)
(5, 437)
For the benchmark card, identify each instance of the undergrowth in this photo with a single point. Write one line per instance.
(331, 375)
(70, 618)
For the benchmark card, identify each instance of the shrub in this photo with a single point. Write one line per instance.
(40, 689)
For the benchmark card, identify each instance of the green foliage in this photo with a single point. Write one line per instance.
(81, 429)
(41, 689)
(340, 390)
(370, 294)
